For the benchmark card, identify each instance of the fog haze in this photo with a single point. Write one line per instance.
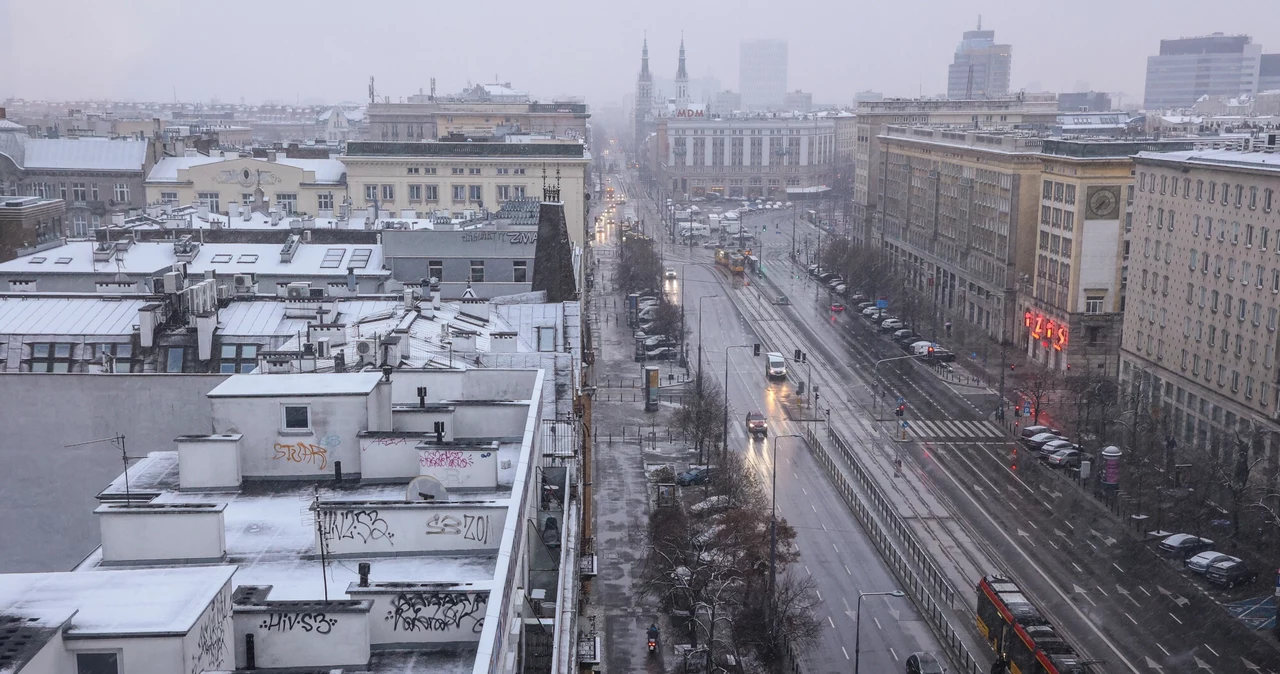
(325, 51)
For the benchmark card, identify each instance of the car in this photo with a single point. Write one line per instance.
(826, 276)
(757, 424)
(891, 324)
(659, 340)
(1064, 458)
(670, 273)
(837, 306)
(1200, 562)
(839, 288)
(857, 297)
(812, 269)
(659, 353)
(782, 301)
(924, 663)
(940, 355)
(775, 365)
(711, 245)
(868, 311)
(865, 305)
(906, 341)
(834, 281)
(1037, 441)
(1029, 431)
(1184, 545)
(1230, 573)
(904, 332)
(1050, 448)
(693, 476)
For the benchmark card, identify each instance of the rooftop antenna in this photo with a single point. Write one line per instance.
(433, 89)
(311, 515)
(372, 95)
(118, 441)
(979, 22)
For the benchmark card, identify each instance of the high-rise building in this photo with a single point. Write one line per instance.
(1269, 73)
(1191, 67)
(981, 67)
(762, 73)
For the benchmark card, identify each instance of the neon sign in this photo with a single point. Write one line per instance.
(1045, 330)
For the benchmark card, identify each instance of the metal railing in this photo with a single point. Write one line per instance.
(928, 589)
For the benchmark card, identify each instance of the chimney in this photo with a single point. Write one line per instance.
(435, 295)
(351, 280)
(502, 342)
(364, 568)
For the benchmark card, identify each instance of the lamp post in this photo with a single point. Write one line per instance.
(857, 627)
(773, 528)
(703, 297)
(793, 232)
(725, 434)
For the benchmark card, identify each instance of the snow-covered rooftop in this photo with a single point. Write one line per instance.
(150, 257)
(1263, 161)
(166, 170)
(306, 384)
(68, 315)
(88, 154)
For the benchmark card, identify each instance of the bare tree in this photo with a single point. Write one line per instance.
(700, 416)
(667, 321)
(639, 265)
(1038, 383)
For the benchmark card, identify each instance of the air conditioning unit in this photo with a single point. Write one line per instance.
(367, 351)
(322, 347)
(173, 282)
(244, 281)
(298, 290)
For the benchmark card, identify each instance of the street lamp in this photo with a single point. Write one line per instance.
(793, 232)
(773, 526)
(703, 297)
(725, 434)
(857, 628)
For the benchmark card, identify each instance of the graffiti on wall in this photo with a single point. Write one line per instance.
(445, 458)
(366, 525)
(302, 452)
(437, 612)
(211, 637)
(384, 442)
(470, 527)
(307, 622)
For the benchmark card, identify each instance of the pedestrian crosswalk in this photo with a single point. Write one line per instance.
(961, 430)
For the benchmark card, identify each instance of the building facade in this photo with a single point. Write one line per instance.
(642, 116)
(1188, 68)
(746, 156)
(762, 74)
(29, 225)
(425, 177)
(1084, 101)
(873, 116)
(229, 183)
(960, 211)
(435, 120)
(981, 67)
(94, 177)
(1201, 318)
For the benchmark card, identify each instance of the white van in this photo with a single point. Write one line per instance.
(775, 366)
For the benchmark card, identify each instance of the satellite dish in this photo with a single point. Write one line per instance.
(426, 488)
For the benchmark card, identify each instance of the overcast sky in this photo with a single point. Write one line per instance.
(325, 50)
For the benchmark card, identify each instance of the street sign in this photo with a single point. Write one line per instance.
(906, 424)
(901, 400)
(882, 303)
(1026, 408)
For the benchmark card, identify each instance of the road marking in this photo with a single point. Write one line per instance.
(1166, 652)
(824, 526)
(846, 653)
(1211, 650)
(1131, 619)
(846, 570)
(814, 509)
(819, 595)
(806, 491)
(893, 653)
(1175, 618)
(1033, 524)
(1117, 567)
(1144, 590)
(1077, 568)
(833, 623)
(833, 547)
(1104, 592)
(877, 622)
(806, 570)
(1069, 524)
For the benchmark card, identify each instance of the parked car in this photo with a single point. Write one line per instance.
(662, 353)
(813, 269)
(839, 289)
(1029, 431)
(782, 300)
(904, 332)
(693, 476)
(1053, 446)
(659, 340)
(907, 340)
(870, 311)
(1201, 561)
(1064, 458)
(826, 276)
(1038, 441)
(924, 663)
(1184, 545)
(757, 424)
(837, 306)
(891, 324)
(1230, 573)
(863, 306)
(857, 297)
(835, 281)
(921, 347)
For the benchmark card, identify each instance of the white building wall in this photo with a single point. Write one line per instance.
(1099, 241)
(208, 646)
(52, 659)
(373, 528)
(269, 451)
(141, 655)
(304, 638)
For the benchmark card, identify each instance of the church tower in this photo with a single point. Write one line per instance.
(682, 80)
(644, 97)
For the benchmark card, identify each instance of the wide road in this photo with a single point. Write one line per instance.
(833, 548)
(1106, 589)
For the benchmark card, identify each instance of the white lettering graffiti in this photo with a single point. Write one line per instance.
(437, 611)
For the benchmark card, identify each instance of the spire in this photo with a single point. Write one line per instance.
(644, 61)
(979, 22)
(681, 73)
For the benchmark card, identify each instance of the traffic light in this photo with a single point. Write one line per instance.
(797, 354)
(931, 352)
(757, 349)
(804, 357)
(902, 409)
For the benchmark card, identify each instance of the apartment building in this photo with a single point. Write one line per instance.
(1190, 67)
(873, 116)
(425, 177)
(1201, 318)
(229, 183)
(959, 212)
(433, 120)
(29, 225)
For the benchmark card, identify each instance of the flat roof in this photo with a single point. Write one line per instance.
(37, 315)
(465, 150)
(165, 600)
(304, 384)
(1257, 161)
(152, 257)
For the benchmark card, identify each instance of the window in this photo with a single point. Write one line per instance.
(473, 171)
(388, 192)
(431, 192)
(1195, 260)
(477, 271)
(519, 271)
(1266, 199)
(1231, 269)
(1242, 308)
(1239, 195)
(1163, 181)
(1191, 293)
(1057, 191)
(1246, 273)
(547, 338)
(457, 171)
(370, 192)
(1272, 315)
(1226, 306)
(174, 358)
(78, 192)
(210, 200)
(1068, 220)
(1045, 212)
(504, 192)
(238, 358)
(518, 191)
(1044, 241)
(1195, 229)
(288, 203)
(1070, 195)
(79, 227)
(1199, 190)
(412, 170)
(1235, 232)
(435, 269)
(324, 201)
(122, 193)
(93, 189)
(1093, 304)
(459, 193)
(1253, 198)
(503, 171)
(51, 357)
(1171, 219)
(97, 663)
(1048, 189)
(1213, 192)
(415, 193)
(1186, 188)
(1213, 301)
(295, 418)
(475, 192)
